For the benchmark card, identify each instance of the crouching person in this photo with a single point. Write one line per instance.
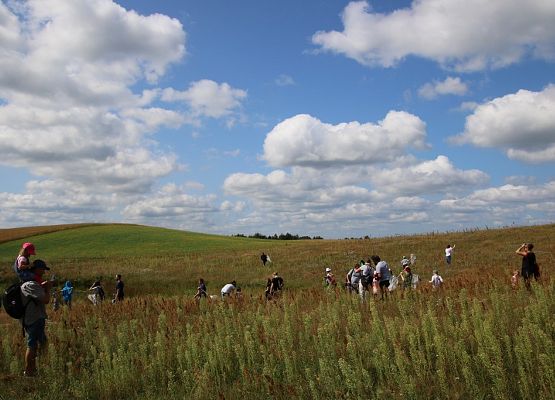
(35, 295)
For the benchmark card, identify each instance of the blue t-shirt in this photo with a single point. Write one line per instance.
(67, 291)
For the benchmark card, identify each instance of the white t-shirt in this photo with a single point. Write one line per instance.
(436, 280)
(367, 270)
(227, 289)
(448, 251)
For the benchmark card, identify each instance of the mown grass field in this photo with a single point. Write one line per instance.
(475, 338)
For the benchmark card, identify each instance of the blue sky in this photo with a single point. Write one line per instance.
(329, 118)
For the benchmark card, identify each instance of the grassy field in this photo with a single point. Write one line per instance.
(475, 338)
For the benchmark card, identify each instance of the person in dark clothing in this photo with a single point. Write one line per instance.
(274, 286)
(201, 289)
(268, 291)
(119, 289)
(529, 265)
(277, 282)
(264, 259)
(35, 294)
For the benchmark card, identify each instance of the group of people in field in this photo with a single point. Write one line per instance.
(372, 275)
(274, 286)
(36, 293)
(228, 290)
(376, 276)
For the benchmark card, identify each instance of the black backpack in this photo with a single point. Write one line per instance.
(13, 301)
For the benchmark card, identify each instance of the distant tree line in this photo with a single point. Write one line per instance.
(281, 236)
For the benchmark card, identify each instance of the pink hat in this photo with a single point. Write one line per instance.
(30, 248)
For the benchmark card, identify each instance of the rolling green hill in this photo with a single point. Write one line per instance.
(120, 240)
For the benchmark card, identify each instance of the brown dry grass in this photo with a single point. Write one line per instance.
(7, 235)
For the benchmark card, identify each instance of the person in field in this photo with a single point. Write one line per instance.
(268, 290)
(35, 295)
(354, 276)
(67, 293)
(274, 285)
(449, 253)
(55, 299)
(97, 292)
(412, 260)
(436, 280)
(228, 289)
(329, 279)
(406, 277)
(367, 274)
(22, 265)
(118, 296)
(376, 285)
(384, 274)
(201, 289)
(277, 285)
(515, 278)
(530, 267)
(264, 259)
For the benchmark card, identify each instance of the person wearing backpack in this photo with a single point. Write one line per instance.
(35, 296)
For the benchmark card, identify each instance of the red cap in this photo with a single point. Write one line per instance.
(30, 248)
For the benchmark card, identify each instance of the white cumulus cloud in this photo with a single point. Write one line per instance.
(171, 201)
(465, 35)
(450, 85)
(208, 98)
(434, 176)
(522, 124)
(67, 106)
(303, 140)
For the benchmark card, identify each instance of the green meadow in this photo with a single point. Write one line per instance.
(475, 338)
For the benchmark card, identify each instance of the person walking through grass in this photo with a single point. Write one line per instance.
(529, 265)
(329, 279)
(367, 274)
(67, 293)
(97, 293)
(201, 289)
(436, 280)
(118, 296)
(449, 253)
(355, 276)
(407, 277)
(515, 278)
(383, 273)
(264, 259)
(35, 295)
